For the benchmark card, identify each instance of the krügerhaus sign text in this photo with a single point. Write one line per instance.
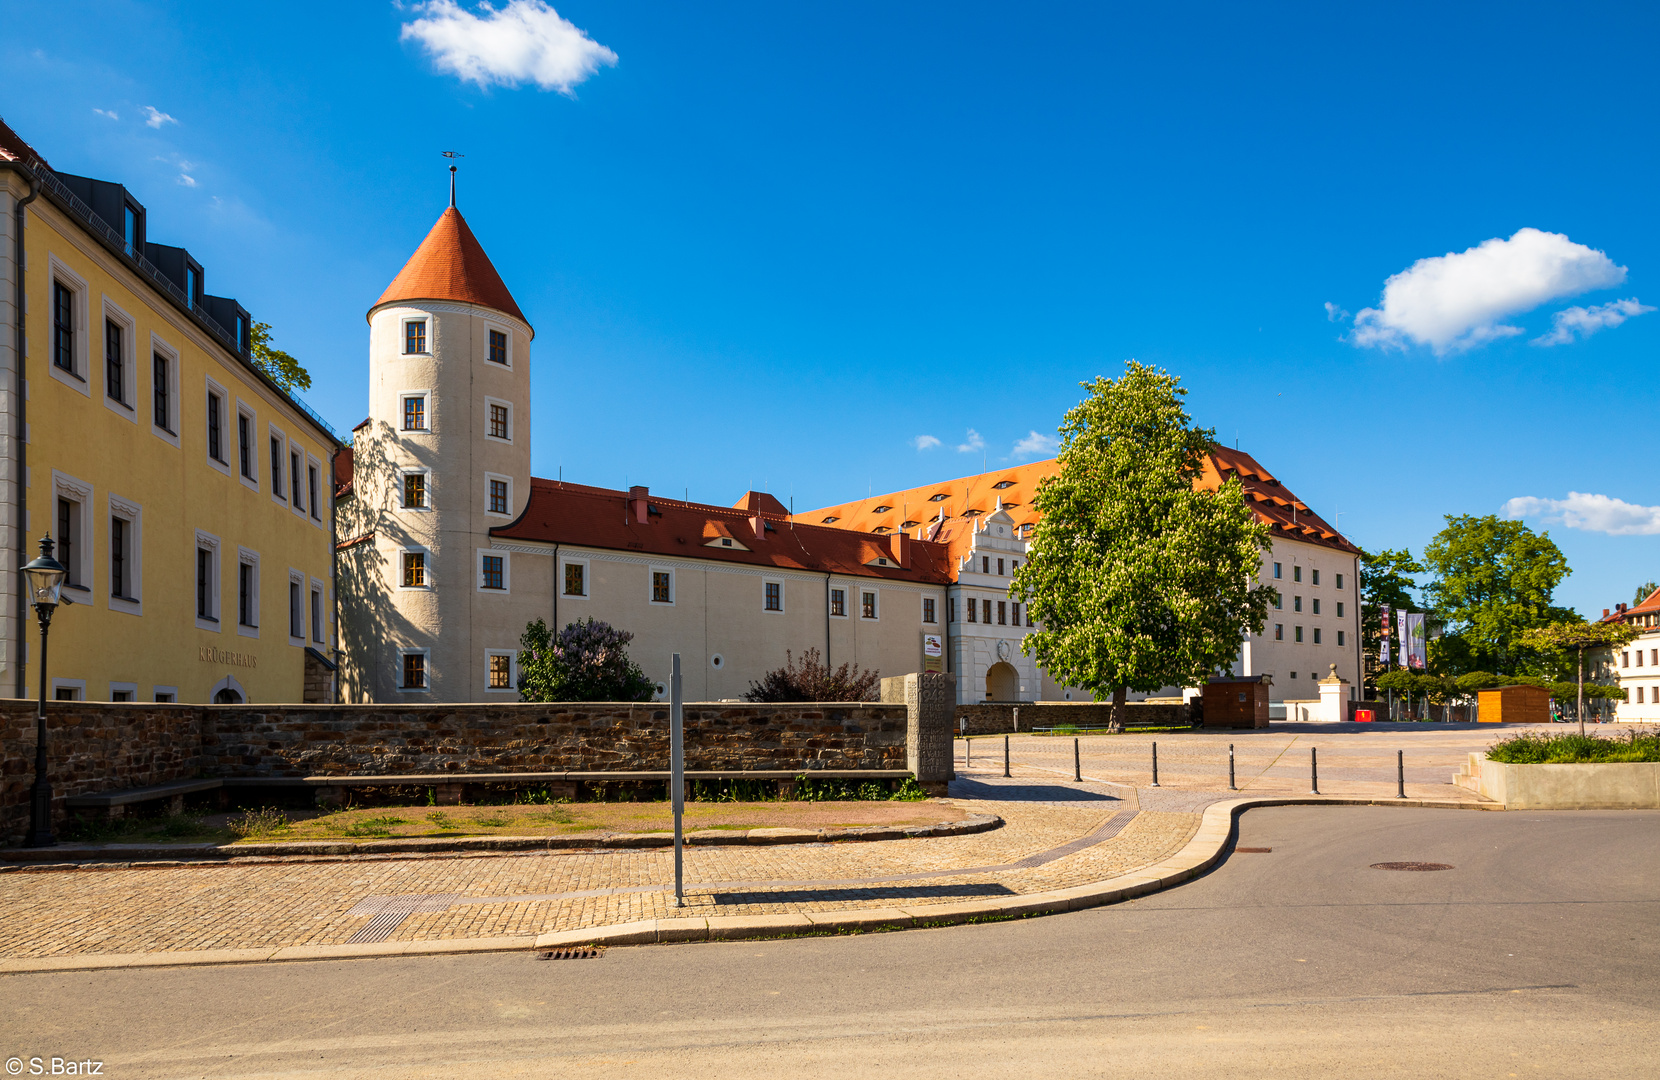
(208, 654)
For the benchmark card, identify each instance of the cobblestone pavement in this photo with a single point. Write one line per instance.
(1056, 834)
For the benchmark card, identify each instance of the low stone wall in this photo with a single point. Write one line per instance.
(97, 747)
(1599, 785)
(996, 718)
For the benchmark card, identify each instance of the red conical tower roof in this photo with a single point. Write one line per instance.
(451, 264)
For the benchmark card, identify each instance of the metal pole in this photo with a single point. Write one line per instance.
(677, 778)
(1017, 718)
(40, 803)
(1005, 755)
(1155, 764)
(1314, 769)
(968, 751)
(1400, 774)
(1231, 786)
(1077, 767)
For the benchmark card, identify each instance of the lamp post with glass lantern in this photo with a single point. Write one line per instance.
(45, 575)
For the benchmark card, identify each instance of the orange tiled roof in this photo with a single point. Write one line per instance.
(603, 518)
(969, 498)
(13, 148)
(1621, 613)
(451, 264)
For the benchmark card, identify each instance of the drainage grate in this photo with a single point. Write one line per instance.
(589, 952)
(1252, 850)
(1411, 866)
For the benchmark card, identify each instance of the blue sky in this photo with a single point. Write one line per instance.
(771, 245)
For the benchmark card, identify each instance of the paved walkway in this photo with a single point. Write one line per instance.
(1058, 835)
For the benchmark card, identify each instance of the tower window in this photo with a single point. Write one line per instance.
(498, 421)
(414, 569)
(415, 336)
(498, 347)
(492, 572)
(414, 671)
(414, 491)
(501, 668)
(415, 412)
(498, 496)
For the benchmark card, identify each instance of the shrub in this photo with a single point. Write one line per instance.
(586, 661)
(259, 824)
(810, 679)
(1569, 748)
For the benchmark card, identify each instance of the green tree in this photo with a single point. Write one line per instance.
(1644, 591)
(1136, 579)
(586, 661)
(1386, 580)
(1494, 579)
(1575, 637)
(277, 365)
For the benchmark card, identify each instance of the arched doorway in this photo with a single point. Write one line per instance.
(228, 691)
(1002, 682)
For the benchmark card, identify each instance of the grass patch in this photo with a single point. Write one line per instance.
(1573, 748)
(169, 829)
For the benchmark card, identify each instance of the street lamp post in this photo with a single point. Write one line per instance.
(45, 575)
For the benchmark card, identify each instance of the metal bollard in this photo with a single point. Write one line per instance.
(1314, 769)
(968, 751)
(1005, 755)
(1230, 768)
(1077, 767)
(1400, 774)
(1155, 764)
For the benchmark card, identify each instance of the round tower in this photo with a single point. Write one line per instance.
(443, 458)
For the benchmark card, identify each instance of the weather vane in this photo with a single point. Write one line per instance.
(452, 155)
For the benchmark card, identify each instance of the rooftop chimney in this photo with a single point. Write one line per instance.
(899, 545)
(637, 503)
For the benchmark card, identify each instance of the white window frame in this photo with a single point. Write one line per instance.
(133, 515)
(127, 410)
(255, 452)
(129, 687)
(77, 685)
(829, 598)
(587, 579)
(508, 480)
(296, 607)
(155, 690)
(170, 433)
(320, 625)
(512, 671)
(86, 563)
(323, 495)
(875, 592)
(274, 434)
(426, 669)
(506, 571)
(211, 542)
(249, 558)
(403, 344)
(426, 571)
(426, 489)
(61, 274)
(652, 570)
(779, 610)
(426, 411)
(227, 419)
(508, 405)
(508, 330)
(298, 500)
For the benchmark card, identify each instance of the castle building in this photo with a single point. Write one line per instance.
(186, 493)
(1637, 665)
(985, 522)
(450, 547)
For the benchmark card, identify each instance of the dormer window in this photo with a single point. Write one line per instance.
(941, 497)
(881, 509)
(972, 513)
(909, 524)
(1001, 484)
(881, 529)
(832, 519)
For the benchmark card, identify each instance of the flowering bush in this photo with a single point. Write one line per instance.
(810, 679)
(586, 661)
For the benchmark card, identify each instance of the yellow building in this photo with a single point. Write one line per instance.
(189, 496)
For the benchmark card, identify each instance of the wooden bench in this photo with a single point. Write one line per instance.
(114, 803)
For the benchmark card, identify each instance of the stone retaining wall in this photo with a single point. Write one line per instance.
(997, 719)
(96, 747)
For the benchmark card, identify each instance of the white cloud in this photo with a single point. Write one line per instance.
(1036, 445)
(107, 112)
(187, 180)
(1335, 313)
(1455, 301)
(975, 442)
(1592, 513)
(1587, 321)
(156, 118)
(526, 41)
(925, 442)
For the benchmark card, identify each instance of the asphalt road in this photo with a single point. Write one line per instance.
(1537, 956)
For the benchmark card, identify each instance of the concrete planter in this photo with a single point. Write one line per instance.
(1622, 785)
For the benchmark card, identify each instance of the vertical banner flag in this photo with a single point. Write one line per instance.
(1383, 639)
(1401, 633)
(1417, 655)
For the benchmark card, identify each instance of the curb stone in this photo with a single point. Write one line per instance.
(1205, 850)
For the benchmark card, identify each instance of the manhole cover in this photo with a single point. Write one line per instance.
(1411, 866)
